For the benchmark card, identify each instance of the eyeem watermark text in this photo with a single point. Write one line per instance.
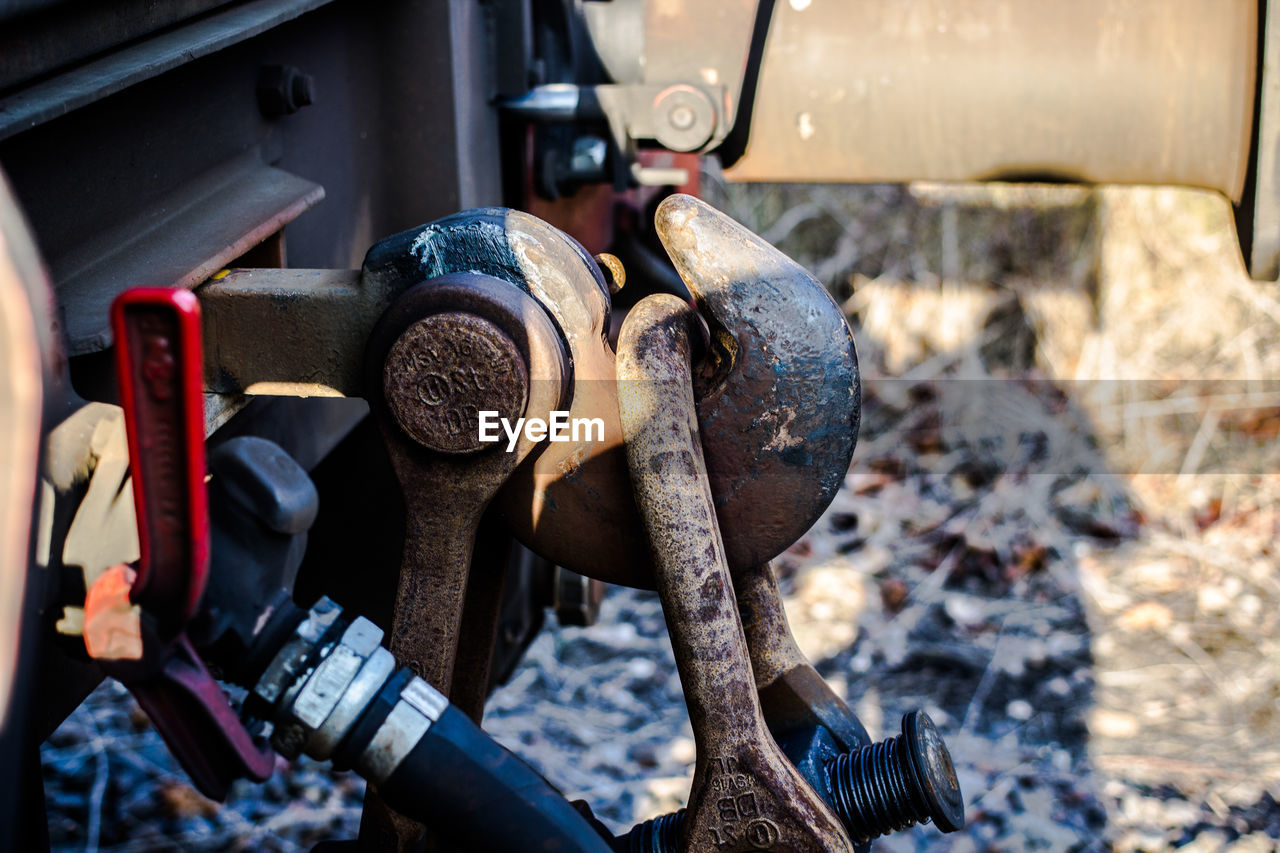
(559, 428)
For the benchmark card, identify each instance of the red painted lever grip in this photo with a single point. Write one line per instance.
(159, 370)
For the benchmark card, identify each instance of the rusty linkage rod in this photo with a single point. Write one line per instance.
(793, 695)
(776, 380)
(446, 349)
(746, 794)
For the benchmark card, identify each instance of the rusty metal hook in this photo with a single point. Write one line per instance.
(781, 400)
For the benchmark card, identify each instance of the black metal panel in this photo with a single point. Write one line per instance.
(401, 132)
(51, 34)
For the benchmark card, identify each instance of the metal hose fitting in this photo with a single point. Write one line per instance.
(330, 690)
(334, 692)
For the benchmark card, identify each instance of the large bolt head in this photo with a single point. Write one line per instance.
(283, 90)
(443, 371)
(931, 761)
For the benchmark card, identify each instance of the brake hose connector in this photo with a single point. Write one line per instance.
(333, 692)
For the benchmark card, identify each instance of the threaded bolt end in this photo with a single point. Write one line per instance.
(656, 835)
(879, 789)
(872, 790)
(897, 783)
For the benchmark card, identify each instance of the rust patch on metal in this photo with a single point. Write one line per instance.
(443, 371)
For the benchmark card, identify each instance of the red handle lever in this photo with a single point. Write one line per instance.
(159, 368)
(160, 371)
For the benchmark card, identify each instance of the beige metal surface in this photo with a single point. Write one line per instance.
(1127, 91)
(21, 399)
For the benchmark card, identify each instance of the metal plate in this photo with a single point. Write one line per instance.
(181, 241)
(1096, 91)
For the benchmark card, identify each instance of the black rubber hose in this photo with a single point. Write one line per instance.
(464, 785)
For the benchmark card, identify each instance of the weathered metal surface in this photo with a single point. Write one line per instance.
(745, 795)
(1105, 91)
(793, 696)
(446, 493)
(779, 338)
(778, 395)
(563, 482)
(773, 649)
(481, 618)
(84, 178)
(287, 332)
(44, 38)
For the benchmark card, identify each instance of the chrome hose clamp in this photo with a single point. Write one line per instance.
(320, 687)
(419, 707)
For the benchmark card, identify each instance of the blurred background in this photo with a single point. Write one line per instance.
(1058, 537)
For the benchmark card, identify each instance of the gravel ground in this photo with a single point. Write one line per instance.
(1081, 590)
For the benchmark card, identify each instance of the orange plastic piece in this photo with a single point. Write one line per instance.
(112, 623)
